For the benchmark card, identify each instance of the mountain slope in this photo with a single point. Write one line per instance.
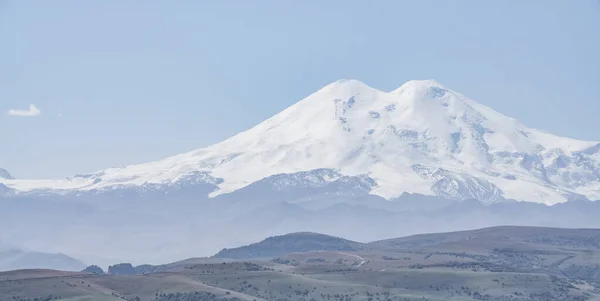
(557, 237)
(420, 138)
(4, 174)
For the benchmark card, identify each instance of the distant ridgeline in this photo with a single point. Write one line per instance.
(294, 242)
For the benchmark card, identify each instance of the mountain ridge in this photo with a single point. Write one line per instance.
(289, 243)
(419, 138)
(15, 259)
(4, 174)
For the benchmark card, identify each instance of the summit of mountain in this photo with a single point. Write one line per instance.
(350, 138)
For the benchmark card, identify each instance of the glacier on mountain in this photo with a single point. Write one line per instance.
(421, 138)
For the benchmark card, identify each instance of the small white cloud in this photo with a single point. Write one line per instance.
(31, 112)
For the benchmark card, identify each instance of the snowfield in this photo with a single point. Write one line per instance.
(420, 138)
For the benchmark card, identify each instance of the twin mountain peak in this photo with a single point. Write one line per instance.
(421, 138)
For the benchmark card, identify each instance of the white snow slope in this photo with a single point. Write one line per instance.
(420, 138)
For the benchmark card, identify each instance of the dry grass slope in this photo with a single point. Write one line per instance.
(495, 264)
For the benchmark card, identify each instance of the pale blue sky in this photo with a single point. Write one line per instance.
(122, 82)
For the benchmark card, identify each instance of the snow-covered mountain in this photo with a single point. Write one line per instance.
(420, 139)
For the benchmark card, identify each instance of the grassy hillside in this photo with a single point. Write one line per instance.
(504, 235)
(290, 243)
(494, 264)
